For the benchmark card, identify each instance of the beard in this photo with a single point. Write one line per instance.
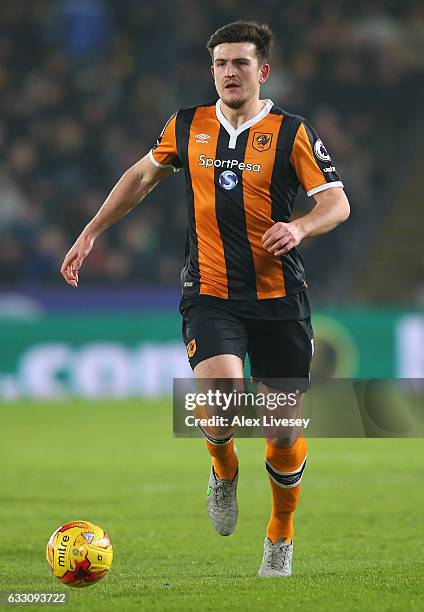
(234, 104)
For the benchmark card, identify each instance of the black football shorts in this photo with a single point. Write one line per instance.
(277, 349)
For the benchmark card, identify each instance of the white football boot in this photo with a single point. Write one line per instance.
(221, 501)
(277, 560)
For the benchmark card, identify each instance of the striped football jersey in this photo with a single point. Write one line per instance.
(238, 182)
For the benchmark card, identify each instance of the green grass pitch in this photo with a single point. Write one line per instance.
(359, 525)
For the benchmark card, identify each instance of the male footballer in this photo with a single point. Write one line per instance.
(243, 282)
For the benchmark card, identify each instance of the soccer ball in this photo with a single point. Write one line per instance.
(79, 553)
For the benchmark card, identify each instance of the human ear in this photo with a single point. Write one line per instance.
(264, 73)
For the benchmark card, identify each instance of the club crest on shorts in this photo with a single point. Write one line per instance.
(261, 141)
(191, 348)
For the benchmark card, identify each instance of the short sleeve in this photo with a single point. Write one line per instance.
(164, 153)
(311, 161)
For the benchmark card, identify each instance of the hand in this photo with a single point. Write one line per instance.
(281, 237)
(74, 258)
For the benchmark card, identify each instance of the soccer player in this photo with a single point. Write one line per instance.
(243, 280)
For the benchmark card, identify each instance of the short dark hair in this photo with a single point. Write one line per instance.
(244, 31)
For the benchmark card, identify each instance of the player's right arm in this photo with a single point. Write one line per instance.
(134, 185)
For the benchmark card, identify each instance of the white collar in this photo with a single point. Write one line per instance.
(234, 133)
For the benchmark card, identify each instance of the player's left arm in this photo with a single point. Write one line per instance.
(331, 208)
(317, 174)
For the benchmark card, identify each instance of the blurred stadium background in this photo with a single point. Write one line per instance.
(86, 87)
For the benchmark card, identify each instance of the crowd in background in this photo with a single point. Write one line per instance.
(87, 85)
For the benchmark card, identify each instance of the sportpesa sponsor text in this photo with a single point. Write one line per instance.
(208, 162)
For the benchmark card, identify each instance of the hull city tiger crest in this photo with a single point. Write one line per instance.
(191, 348)
(261, 141)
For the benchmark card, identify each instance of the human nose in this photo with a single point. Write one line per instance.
(229, 69)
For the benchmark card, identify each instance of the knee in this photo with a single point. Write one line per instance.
(213, 424)
(286, 442)
(218, 433)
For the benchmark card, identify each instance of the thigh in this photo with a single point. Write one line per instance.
(281, 430)
(212, 331)
(221, 366)
(281, 349)
(223, 374)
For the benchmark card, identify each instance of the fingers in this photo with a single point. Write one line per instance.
(74, 259)
(277, 245)
(279, 239)
(270, 235)
(273, 234)
(70, 267)
(270, 241)
(282, 246)
(290, 245)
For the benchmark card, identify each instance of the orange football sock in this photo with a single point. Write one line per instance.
(285, 469)
(224, 459)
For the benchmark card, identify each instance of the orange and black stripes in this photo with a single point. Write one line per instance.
(258, 208)
(166, 147)
(239, 182)
(231, 217)
(310, 159)
(309, 173)
(190, 271)
(211, 257)
(283, 191)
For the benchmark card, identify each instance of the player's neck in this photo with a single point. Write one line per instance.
(238, 116)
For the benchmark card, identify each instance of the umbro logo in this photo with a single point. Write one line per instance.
(202, 138)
